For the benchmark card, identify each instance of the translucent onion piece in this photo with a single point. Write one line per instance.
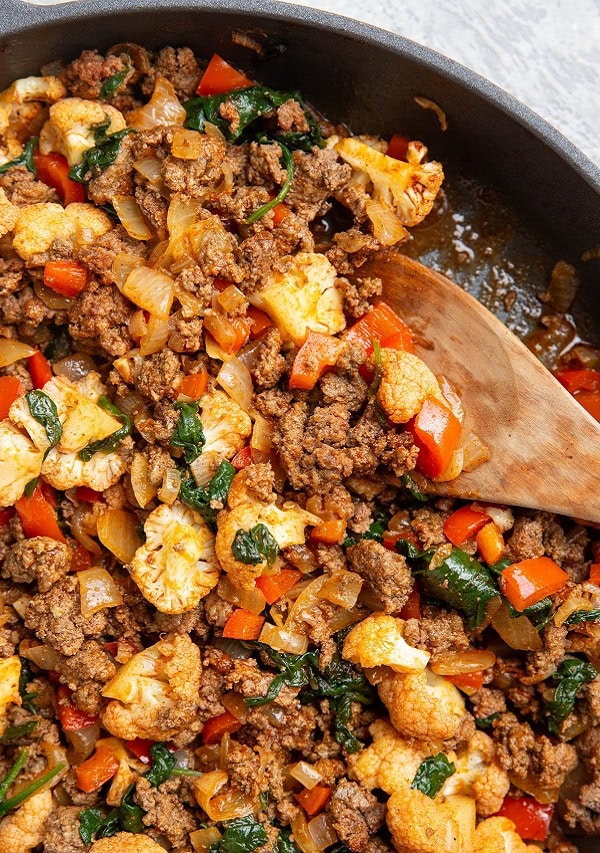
(131, 217)
(217, 806)
(428, 104)
(518, 633)
(234, 703)
(302, 836)
(249, 354)
(97, 591)
(122, 265)
(231, 299)
(43, 656)
(304, 606)
(475, 452)
(191, 306)
(306, 774)
(74, 367)
(322, 832)
(214, 351)
(224, 330)
(11, 351)
(163, 108)
(151, 169)
(457, 663)
(249, 599)
(170, 486)
(234, 648)
(151, 290)
(203, 839)
(138, 325)
(454, 468)
(50, 298)
(235, 379)
(204, 467)
(571, 605)
(80, 528)
(342, 588)
(387, 228)
(155, 337)
(342, 618)
(530, 784)
(212, 130)
(502, 516)
(187, 144)
(83, 742)
(260, 439)
(117, 530)
(452, 398)
(283, 640)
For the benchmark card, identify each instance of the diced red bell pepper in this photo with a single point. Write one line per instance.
(6, 515)
(436, 432)
(243, 458)
(317, 353)
(140, 747)
(329, 532)
(464, 523)
(579, 380)
(314, 800)
(527, 582)
(531, 819)
(49, 494)
(194, 384)
(38, 517)
(468, 680)
(87, 495)
(259, 321)
(65, 277)
(412, 608)
(71, 718)
(490, 543)
(378, 325)
(97, 769)
(398, 146)
(80, 558)
(53, 170)
(221, 284)
(595, 573)
(39, 369)
(280, 211)
(216, 727)
(274, 586)
(243, 625)
(391, 537)
(220, 77)
(590, 401)
(11, 388)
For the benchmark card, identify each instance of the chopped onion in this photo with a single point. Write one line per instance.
(457, 663)
(233, 648)
(322, 832)
(212, 130)
(231, 299)
(83, 742)
(50, 298)
(428, 104)
(191, 305)
(249, 354)
(342, 618)
(249, 599)
(227, 331)
(234, 703)
(260, 441)
(43, 656)
(11, 351)
(475, 453)
(302, 836)
(218, 806)
(452, 398)
(129, 367)
(154, 339)
(97, 591)
(305, 605)
(131, 217)
(573, 603)
(205, 466)
(563, 287)
(138, 325)
(151, 169)
(518, 633)
(530, 784)
(80, 528)
(170, 486)
(213, 350)
(187, 144)
(283, 640)
(306, 774)
(342, 588)
(150, 289)
(502, 516)
(122, 265)
(74, 367)
(163, 108)
(387, 228)
(454, 467)
(117, 530)
(204, 839)
(234, 377)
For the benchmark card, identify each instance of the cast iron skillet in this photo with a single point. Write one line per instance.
(519, 195)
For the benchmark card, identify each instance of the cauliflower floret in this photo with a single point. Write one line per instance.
(226, 427)
(406, 382)
(479, 775)
(497, 835)
(378, 641)
(10, 670)
(391, 761)
(21, 462)
(407, 188)
(155, 694)
(8, 214)
(27, 89)
(37, 226)
(22, 831)
(424, 705)
(70, 128)
(126, 842)
(176, 566)
(302, 296)
(421, 825)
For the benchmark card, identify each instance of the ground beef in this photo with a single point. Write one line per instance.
(216, 611)
(524, 753)
(356, 814)
(186, 333)
(290, 116)
(317, 176)
(40, 558)
(22, 187)
(159, 375)
(179, 66)
(153, 206)
(99, 317)
(261, 251)
(345, 384)
(429, 527)
(270, 364)
(437, 631)
(12, 274)
(567, 550)
(192, 177)
(526, 541)
(85, 76)
(61, 834)
(55, 617)
(264, 164)
(385, 571)
(99, 256)
(583, 813)
(260, 482)
(31, 316)
(164, 810)
(487, 701)
(90, 663)
(543, 663)
(358, 294)
(244, 767)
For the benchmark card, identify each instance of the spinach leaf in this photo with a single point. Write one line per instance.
(112, 84)
(265, 208)
(254, 545)
(14, 732)
(25, 676)
(112, 441)
(28, 790)
(413, 490)
(201, 499)
(459, 581)
(580, 616)
(485, 723)
(102, 155)
(570, 675)
(90, 821)
(284, 844)
(294, 671)
(129, 813)
(432, 774)
(163, 763)
(43, 409)
(539, 613)
(24, 159)
(188, 433)
(376, 530)
(241, 835)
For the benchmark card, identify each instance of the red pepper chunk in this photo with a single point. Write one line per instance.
(317, 353)
(242, 458)
(381, 324)
(259, 321)
(220, 77)
(11, 388)
(412, 607)
(531, 819)
(71, 718)
(527, 582)
(87, 495)
(579, 380)
(590, 402)
(398, 146)
(53, 170)
(39, 369)
(464, 523)
(595, 573)
(469, 681)
(216, 727)
(274, 586)
(140, 747)
(6, 515)
(315, 800)
(65, 277)
(97, 769)
(194, 384)
(243, 625)
(38, 517)
(436, 432)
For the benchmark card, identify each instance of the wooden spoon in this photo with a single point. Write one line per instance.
(544, 447)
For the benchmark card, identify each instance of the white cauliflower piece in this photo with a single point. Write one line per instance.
(302, 296)
(67, 470)
(285, 524)
(497, 835)
(225, 425)
(21, 462)
(27, 89)
(70, 128)
(126, 842)
(37, 226)
(176, 566)
(378, 641)
(421, 825)
(406, 382)
(479, 775)
(8, 214)
(391, 761)
(424, 705)
(408, 189)
(10, 670)
(23, 830)
(155, 694)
